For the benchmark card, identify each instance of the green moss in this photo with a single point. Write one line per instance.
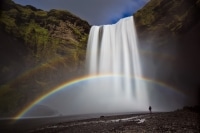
(41, 14)
(55, 41)
(60, 14)
(52, 20)
(147, 15)
(8, 23)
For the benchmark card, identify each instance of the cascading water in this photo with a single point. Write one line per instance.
(114, 63)
(113, 85)
(112, 49)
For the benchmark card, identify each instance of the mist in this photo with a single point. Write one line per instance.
(172, 62)
(102, 94)
(96, 96)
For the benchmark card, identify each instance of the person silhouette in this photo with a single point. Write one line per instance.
(150, 109)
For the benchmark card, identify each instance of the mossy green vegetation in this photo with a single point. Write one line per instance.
(147, 15)
(35, 28)
(50, 46)
(160, 20)
(173, 15)
(172, 27)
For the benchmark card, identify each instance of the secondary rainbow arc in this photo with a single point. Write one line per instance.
(78, 80)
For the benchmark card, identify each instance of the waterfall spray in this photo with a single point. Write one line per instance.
(113, 49)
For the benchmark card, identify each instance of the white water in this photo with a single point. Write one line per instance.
(112, 49)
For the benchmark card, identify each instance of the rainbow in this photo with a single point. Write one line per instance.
(53, 62)
(78, 80)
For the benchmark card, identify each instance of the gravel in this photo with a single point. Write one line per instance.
(169, 122)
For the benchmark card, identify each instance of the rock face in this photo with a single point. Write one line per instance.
(39, 50)
(168, 32)
(168, 17)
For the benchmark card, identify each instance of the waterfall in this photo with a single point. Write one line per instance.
(113, 83)
(112, 49)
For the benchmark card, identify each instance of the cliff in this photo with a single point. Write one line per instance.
(168, 33)
(164, 17)
(38, 51)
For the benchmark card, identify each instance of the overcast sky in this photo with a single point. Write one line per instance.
(96, 12)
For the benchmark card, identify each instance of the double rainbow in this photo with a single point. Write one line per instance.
(79, 80)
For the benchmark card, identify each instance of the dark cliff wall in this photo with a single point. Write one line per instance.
(38, 51)
(168, 33)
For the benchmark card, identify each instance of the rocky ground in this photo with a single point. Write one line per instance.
(177, 121)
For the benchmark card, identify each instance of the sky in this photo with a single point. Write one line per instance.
(95, 12)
